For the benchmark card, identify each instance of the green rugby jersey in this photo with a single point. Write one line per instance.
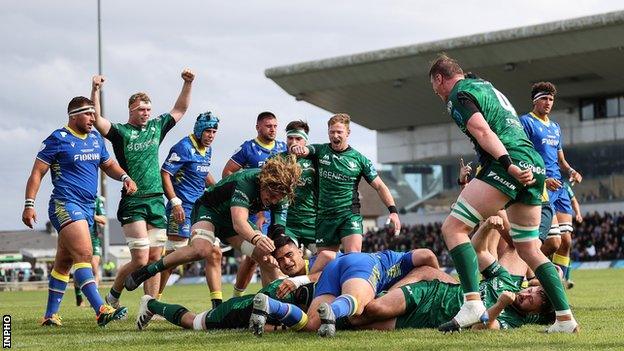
(304, 205)
(339, 174)
(241, 189)
(136, 150)
(100, 210)
(495, 108)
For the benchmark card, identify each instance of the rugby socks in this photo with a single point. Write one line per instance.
(56, 290)
(549, 278)
(83, 275)
(344, 305)
(156, 267)
(289, 315)
(217, 298)
(465, 260)
(172, 313)
(562, 261)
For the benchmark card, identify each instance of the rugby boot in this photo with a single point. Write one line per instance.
(328, 321)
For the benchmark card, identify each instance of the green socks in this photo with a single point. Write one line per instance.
(156, 267)
(172, 313)
(467, 266)
(549, 278)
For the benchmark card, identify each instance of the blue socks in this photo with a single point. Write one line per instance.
(344, 306)
(56, 290)
(83, 275)
(289, 315)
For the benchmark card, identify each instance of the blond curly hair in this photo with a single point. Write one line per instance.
(280, 176)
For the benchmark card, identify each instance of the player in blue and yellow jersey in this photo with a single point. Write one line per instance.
(74, 154)
(253, 154)
(185, 174)
(345, 286)
(548, 141)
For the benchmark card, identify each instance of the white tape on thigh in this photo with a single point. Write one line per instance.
(138, 243)
(204, 235)
(466, 213)
(566, 227)
(175, 245)
(198, 322)
(157, 237)
(247, 248)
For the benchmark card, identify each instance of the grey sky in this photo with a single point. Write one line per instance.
(49, 54)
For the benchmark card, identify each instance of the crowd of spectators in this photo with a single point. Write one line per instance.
(599, 237)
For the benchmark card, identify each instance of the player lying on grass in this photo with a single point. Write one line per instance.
(346, 285)
(236, 312)
(429, 303)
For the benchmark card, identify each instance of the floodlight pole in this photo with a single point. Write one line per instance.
(106, 234)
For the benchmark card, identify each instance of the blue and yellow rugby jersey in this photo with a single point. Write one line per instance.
(546, 138)
(188, 165)
(393, 266)
(74, 160)
(252, 153)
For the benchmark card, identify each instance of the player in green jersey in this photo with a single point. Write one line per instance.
(512, 175)
(231, 314)
(340, 168)
(136, 145)
(301, 220)
(222, 212)
(430, 297)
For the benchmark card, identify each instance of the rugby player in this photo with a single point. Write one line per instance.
(74, 153)
(547, 138)
(340, 168)
(253, 153)
(512, 175)
(222, 212)
(434, 296)
(345, 286)
(136, 143)
(185, 174)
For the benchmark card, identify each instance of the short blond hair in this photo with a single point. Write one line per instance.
(339, 118)
(280, 176)
(138, 96)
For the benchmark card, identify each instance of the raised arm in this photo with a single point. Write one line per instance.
(481, 238)
(101, 124)
(184, 100)
(40, 168)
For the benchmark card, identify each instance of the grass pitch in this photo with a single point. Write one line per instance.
(597, 302)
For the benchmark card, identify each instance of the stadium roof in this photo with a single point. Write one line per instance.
(389, 89)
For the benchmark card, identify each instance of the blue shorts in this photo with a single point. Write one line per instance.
(394, 267)
(348, 266)
(61, 213)
(265, 227)
(182, 230)
(560, 201)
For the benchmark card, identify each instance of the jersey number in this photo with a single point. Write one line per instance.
(502, 99)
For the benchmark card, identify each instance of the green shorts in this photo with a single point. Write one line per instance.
(303, 230)
(330, 231)
(429, 304)
(96, 244)
(223, 225)
(150, 209)
(495, 175)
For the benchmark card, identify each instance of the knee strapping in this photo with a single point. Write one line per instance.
(204, 234)
(464, 212)
(172, 245)
(566, 227)
(524, 233)
(138, 243)
(157, 237)
(198, 322)
(554, 230)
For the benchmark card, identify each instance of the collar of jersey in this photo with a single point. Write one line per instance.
(339, 152)
(546, 122)
(269, 146)
(76, 134)
(201, 150)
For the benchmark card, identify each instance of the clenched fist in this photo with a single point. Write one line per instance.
(188, 75)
